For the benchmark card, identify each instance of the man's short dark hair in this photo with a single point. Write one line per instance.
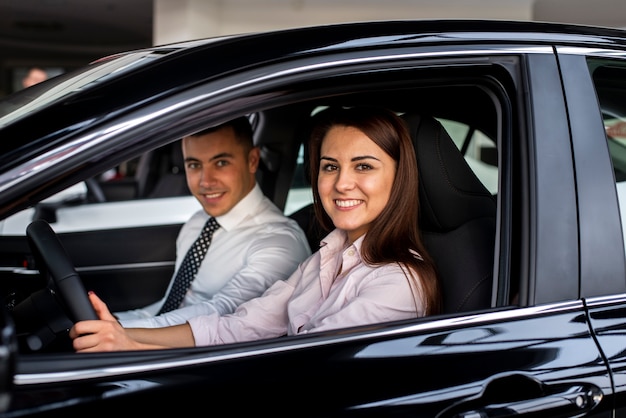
(241, 126)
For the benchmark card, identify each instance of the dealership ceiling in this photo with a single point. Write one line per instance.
(60, 29)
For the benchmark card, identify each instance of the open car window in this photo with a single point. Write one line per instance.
(129, 259)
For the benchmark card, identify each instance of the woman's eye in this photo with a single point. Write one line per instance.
(329, 167)
(363, 167)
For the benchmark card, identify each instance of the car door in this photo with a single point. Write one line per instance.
(535, 354)
(538, 358)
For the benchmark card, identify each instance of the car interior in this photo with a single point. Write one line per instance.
(457, 203)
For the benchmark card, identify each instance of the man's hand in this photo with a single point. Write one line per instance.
(105, 334)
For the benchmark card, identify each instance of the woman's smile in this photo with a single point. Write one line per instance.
(348, 204)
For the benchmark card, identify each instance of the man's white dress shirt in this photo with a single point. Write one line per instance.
(255, 246)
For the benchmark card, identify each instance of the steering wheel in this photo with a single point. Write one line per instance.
(51, 258)
(50, 312)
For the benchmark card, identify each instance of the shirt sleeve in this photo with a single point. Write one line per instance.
(258, 318)
(139, 315)
(385, 296)
(269, 259)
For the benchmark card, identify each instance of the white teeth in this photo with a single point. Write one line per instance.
(347, 203)
(211, 196)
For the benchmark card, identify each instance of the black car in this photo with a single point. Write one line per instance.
(520, 134)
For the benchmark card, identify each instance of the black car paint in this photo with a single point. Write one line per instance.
(379, 376)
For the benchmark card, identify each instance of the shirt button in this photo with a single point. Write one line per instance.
(351, 253)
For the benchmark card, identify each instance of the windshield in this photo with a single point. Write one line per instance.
(15, 106)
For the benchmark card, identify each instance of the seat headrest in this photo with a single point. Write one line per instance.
(450, 193)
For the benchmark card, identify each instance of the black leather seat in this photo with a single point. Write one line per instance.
(314, 232)
(457, 217)
(172, 181)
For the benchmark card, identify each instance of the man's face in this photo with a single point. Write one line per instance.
(219, 170)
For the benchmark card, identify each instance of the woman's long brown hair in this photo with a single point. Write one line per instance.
(394, 236)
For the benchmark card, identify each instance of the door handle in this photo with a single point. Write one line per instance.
(574, 401)
(518, 394)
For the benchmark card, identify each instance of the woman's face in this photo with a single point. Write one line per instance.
(355, 179)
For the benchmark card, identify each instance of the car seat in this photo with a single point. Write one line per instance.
(305, 216)
(457, 217)
(169, 169)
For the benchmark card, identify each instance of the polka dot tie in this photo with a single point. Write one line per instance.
(189, 267)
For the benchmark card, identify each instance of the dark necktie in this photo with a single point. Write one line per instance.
(189, 267)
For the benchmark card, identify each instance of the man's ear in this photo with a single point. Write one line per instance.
(254, 157)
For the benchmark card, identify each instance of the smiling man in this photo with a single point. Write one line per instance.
(251, 245)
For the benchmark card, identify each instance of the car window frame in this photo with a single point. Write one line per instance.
(209, 104)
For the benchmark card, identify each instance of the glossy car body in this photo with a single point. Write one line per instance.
(548, 102)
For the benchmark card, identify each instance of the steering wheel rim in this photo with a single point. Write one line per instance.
(52, 259)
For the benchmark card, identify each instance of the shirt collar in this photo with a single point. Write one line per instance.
(244, 208)
(337, 240)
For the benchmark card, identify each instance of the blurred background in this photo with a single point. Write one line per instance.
(58, 35)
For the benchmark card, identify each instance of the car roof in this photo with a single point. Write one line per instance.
(206, 58)
(161, 69)
(46, 114)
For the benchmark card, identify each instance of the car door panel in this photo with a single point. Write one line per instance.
(507, 361)
(18, 278)
(507, 364)
(124, 251)
(128, 268)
